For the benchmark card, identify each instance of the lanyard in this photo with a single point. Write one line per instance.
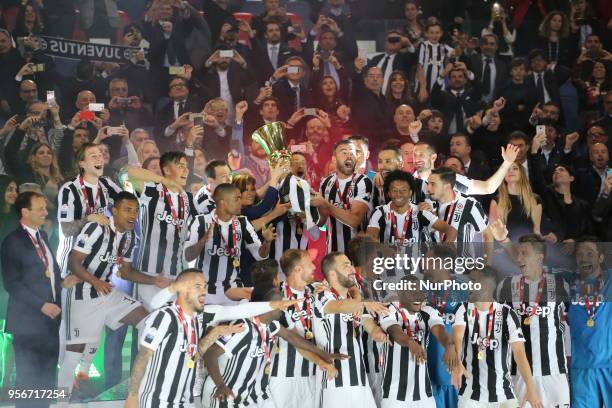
(181, 206)
(409, 332)
(264, 341)
(191, 348)
(89, 209)
(123, 243)
(231, 231)
(40, 250)
(590, 307)
(305, 321)
(355, 324)
(489, 325)
(538, 296)
(344, 198)
(449, 216)
(399, 239)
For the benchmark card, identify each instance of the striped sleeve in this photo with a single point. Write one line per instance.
(460, 315)
(196, 231)
(515, 332)
(377, 216)
(464, 185)
(158, 326)
(65, 208)
(233, 343)
(479, 216)
(130, 251)
(390, 320)
(321, 300)
(113, 189)
(251, 240)
(363, 191)
(435, 318)
(88, 236)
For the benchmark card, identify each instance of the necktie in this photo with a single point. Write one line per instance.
(274, 56)
(296, 98)
(459, 112)
(383, 68)
(181, 108)
(540, 88)
(486, 77)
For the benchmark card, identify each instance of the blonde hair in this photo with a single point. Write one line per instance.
(141, 148)
(526, 196)
(55, 174)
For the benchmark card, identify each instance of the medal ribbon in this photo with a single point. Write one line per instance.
(538, 295)
(489, 325)
(191, 348)
(40, 250)
(344, 198)
(449, 216)
(264, 342)
(305, 322)
(409, 332)
(89, 209)
(394, 224)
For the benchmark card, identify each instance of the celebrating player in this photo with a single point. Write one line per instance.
(217, 172)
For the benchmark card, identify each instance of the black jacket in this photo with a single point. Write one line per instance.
(23, 275)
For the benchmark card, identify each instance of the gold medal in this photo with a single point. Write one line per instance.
(590, 322)
(236, 263)
(308, 335)
(190, 363)
(299, 231)
(481, 355)
(118, 273)
(48, 273)
(267, 370)
(527, 321)
(277, 348)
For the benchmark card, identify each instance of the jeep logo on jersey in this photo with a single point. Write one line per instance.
(348, 318)
(221, 251)
(258, 352)
(485, 342)
(296, 315)
(168, 219)
(402, 242)
(108, 257)
(534, 310)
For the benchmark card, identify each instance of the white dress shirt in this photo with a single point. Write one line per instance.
(33, 234)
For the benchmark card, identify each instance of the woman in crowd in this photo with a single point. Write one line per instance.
(329, 96)
(582, 21)
(501, 26)
(517, 205)
(399, 90)
(71, 143)
(555, 39)
(414, 28)
(147, 149)
(199, 164)
(152, 164)
(8, 195)
(29, 21)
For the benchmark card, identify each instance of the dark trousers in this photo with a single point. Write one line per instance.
(36, 364)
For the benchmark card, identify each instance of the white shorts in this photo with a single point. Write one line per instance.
(86, 318)
(353, 397)
(466, 402)
(426, 403)
(293, 391)
(145, 293)
(553, 390)
(375, 380)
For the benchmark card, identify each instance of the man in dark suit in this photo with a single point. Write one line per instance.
(393, 59)
(461, 146)
(589, 181)
(289, 89)
(269, 54)
(31, 276)
(605, 122)
(544, 79)
(371, 111)
(459, 101)
(175, 114)
(490, 72)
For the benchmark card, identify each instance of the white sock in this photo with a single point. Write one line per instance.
(88, 356)
(65, 376)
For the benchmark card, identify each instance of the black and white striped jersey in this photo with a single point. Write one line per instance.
(467, 216)
(286, 360)
(490, 376)
(542, 310)
(164, 220)
(243, 364)
(106, 248)
(342, 194)
(431, 57)
(203, 201)
(340, 333)
(169, 378)
(463, 185)
(220, 257)
(76, 200)
(403, 378)
(400, 230)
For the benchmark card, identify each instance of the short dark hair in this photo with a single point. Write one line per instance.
(264, 271)
(468, 140)
(398, 175)
(452, 156)
(268, 99)
(291, 258)
(517, 134)
(264, 292)
(341, 143)
(24, 200)
(361, 249)
(430, 146)
(567, 167)
(223, 189)
(592, 239)
(434, 24)
(535, 53)
(209, 170)
(124, 196)
(518, 62)
(446, 174)
(170, 158)
(148, 161)
(537, 242)
(328, 262)
(392, 148)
